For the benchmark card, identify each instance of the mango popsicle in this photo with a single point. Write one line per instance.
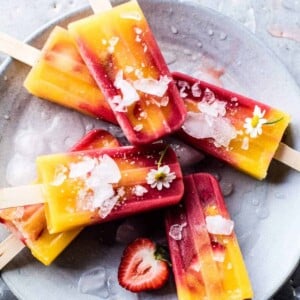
(94, 186)
(236, 129)
(206, 259)
(60, 75)
(121, 53)
(29, 223)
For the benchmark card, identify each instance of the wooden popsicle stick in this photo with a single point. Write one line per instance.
(28, 54)
(18, 50)
(288, 156)
(100, 5)
(9, 248)
(21, 196)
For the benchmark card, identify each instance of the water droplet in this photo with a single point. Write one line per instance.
(174, 30)
(227, 188)
(297, 293)
(6, 117)
(279, 195)
(255, 201)
(187, 52)
(217, 176)
(89, 126)
(94, 282)
(210, 32)
(262, 212)
(112, 285)
(126, 233)
(170, 57)
(199, 44)
(223, 36)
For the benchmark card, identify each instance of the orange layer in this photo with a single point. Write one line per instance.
(61, 76)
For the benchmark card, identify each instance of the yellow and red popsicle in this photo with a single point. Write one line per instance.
(122, 55)
(61, 76)
(206, 258)
(238, 130)
(83, 188)
(29, 223)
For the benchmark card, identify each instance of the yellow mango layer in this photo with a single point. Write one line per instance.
(61, 76)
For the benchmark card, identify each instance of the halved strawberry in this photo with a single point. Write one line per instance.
(142, 268)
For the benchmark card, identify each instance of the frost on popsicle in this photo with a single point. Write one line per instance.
(96, 177)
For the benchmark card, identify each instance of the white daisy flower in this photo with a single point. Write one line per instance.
(254, 125)
(160, 177)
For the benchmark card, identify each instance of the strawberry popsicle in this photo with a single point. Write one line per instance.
(206, 259)
(29, 223)
(121, 53)
(236, 129)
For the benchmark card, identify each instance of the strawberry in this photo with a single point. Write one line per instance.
(142, 267)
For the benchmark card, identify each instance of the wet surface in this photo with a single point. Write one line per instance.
(275, 22)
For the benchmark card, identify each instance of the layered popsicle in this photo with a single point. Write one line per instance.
(87, 187)
(121, 53)
(206, 258)
(29, 223)
(60, 75)
(236, 129)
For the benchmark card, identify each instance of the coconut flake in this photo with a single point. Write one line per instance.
(107, 171)
(245, 143)
(138, 30)
(219, 225)
(183, 87)
(215, 108)
(60, 175)
(152, 86)
(97, 175)
(196, 91)
(81, 168)
(129, 93)
(107, 206)
(102, 192)
(139, 190)
(201, 126)
(129, 69)
(138, 127)
(112, 43)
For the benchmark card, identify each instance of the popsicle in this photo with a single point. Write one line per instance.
(28, 223)
(206, 258)
(88, 187)
(59, 74)
(122, 55)
(238, 130)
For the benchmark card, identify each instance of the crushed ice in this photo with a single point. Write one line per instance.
(219, 225)
(175, 231)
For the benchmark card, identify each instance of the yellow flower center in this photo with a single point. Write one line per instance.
(254, 121)
(160, 176)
